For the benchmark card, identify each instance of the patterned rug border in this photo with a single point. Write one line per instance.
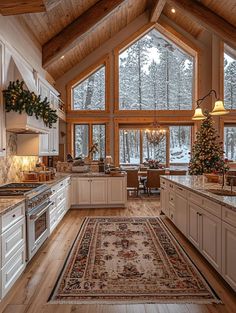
(215, 300)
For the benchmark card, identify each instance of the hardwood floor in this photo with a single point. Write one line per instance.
(32, 290)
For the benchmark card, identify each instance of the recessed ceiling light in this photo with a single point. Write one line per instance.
(62, 57)
(173, 10)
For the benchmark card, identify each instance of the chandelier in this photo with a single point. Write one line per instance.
(155, 134)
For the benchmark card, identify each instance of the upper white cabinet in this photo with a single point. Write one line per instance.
(2, 114)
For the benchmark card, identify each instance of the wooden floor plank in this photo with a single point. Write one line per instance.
(30, 293)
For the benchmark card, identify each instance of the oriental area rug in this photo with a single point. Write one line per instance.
(129, 260)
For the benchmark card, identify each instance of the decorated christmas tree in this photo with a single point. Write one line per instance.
(207, 153)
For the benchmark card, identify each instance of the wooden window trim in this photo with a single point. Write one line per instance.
(127, 123)
(104, 61)
(87, 121)
(181, 42)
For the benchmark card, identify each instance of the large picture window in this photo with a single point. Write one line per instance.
(85, 136)
(89, 94)
(230, 142)
(229, 81)
(135, 148)
(155, 74)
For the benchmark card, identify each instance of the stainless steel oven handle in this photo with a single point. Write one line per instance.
(35, 216)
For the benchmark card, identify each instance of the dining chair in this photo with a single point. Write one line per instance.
(153, 179)
(132, 180)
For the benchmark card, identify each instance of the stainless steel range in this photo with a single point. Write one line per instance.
(37, 198)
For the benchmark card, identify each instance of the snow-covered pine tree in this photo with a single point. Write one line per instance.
(230, 85)
(207, 152)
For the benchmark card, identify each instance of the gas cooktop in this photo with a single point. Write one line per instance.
(19, 189)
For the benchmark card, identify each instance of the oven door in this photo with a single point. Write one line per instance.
(37, 228)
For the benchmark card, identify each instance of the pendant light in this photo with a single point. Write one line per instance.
(218, 109)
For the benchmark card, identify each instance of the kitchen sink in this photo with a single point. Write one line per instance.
(222, 192)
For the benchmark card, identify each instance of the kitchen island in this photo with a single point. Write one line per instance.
(206, 219)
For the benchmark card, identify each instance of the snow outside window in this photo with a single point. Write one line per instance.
(155, 73)
(180, 144)
(230, 142)
(90, 93)
(81, 140)
(130, 146)
(229, 82)
(99, 137)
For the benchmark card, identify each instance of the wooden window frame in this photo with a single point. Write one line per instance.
(104, 61)
(181, 42)
(87, 121)
(231, 52)
(143, 122)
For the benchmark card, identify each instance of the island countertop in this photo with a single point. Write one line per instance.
(198, 185)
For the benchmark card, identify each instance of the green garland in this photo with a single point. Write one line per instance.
(20, 100)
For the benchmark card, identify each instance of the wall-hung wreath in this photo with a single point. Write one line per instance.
(20, 100)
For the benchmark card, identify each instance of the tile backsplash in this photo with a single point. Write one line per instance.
(11, 166)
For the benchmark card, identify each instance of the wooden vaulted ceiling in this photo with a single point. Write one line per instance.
(58, 29)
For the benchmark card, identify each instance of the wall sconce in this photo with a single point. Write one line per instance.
(218, 109)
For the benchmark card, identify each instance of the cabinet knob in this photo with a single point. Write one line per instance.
(4, 149)
(14, 215)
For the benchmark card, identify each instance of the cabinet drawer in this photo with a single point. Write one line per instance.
(212, 207)
(171, 186)
(60, 196)
(229, 216)
(164, 183)
(12, 270)
(13, 216)
(171, 195)
(181, 191)
(193, 197)
(172, 213)
(61, 210)
(12, 239)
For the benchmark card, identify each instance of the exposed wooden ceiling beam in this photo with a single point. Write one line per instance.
(208, 19)
(14, 7)
(156, 10)
(71, 34)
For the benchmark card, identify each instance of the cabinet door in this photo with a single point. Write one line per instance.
(74, 191)
(211, 239)
(116, 190)
(229, 254)
(54, 139)
(84, 191)
(194, 224)
(99, 191)
(44, 144)
(165, 201)
(181, 210)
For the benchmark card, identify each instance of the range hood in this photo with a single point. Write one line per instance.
(22, 123)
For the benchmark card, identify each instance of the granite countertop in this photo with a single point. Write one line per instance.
(198, 185)
(8, 204)
(97, 174)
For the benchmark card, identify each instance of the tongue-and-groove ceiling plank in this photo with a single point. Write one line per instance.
(115, 22)
(73, 33)
(207, 19)
(14, 7)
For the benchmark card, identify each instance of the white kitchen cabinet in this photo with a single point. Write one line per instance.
(84, 191)
(2, 113)
(98, 191)
(116, 190)
(59, 202)
(44, 144)
(181, 213)
(211, 238)
(13, 247)
(164, 200)
(194, 231)
(229, 254)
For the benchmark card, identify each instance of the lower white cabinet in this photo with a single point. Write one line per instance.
(13, 247)
(98, 191)
(60, 203)
(228, 254)
(181, 213)
(210, 227)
